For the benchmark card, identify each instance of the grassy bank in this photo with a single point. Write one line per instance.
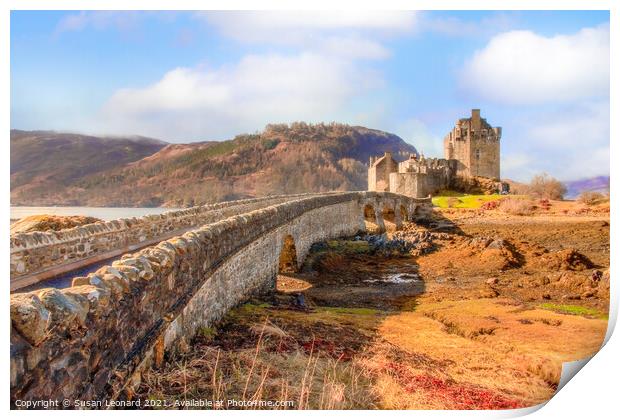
(463, 201)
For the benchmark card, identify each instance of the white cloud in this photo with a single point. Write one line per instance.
(346, 34)
(120, 20)
(515, 161)
(456, 27)
(521, 67)
(194, 103)
(296, 27)
(316, 82)
(569, 143)
(354, 47)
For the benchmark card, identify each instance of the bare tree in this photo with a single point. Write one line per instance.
(545, 186)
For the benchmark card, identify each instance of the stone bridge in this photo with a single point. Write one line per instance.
(93, 340)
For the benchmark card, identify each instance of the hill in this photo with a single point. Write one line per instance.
(283, 159)
(44, 163)
(598, 184)
(48, 222)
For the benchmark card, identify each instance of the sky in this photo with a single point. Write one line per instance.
(543, 76)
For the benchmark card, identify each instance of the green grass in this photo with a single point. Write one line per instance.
(574, 310)
(207, 332)
(350, 311)
(462, 201)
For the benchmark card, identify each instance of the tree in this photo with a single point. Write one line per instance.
(545, 186)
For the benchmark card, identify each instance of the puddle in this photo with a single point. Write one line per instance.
(397, 278)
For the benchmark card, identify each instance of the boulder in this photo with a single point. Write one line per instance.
(65, 311)
(29, 317)
(492, 281)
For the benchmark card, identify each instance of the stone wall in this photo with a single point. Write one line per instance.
(36, 255)
(379, 172)
(421, 177)
(92, 340)
(485, 159)
(475, 145)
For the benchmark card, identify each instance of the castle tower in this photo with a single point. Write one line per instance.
(379, 172)
(474, 145)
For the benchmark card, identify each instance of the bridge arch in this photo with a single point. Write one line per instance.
(419, 211)
(404, 214)
(287, 262)
(391, 215)
(372, 222)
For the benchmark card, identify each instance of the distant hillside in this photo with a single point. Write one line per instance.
(282, 159)
(44, 163)
(598, 184)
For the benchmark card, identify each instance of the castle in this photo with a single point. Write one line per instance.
(471, 150)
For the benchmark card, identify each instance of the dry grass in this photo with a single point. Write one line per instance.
(590, 198)
(472, 354)
(517, 206)
(308, 377)
(489, 345)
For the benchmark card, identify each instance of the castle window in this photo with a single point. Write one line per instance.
(477, 154)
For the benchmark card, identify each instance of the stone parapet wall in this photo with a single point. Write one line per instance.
(90, 341)
(35, 252)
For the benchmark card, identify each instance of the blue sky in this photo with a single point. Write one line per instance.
(187, 76)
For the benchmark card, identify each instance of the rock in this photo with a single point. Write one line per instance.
(64, 310)
(597, 275)
(489, 292)
(546, 296)
(566, 259)
(604, 283)
(497, 244)
(30, 317)
(299, 300)
(485, 242)
(571, 297)
(80, 281)
(587, 294)
(125, 273)
(98, 298)
(492, 281)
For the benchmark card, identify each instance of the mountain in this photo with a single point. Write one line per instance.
(283, 159)
(598, 184)
(44, 163)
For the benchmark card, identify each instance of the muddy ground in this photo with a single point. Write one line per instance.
(469, 310)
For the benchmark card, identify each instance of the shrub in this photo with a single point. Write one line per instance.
(490, 205)
(546, 187)
(544, 204)
(517, 206)
(590, 197)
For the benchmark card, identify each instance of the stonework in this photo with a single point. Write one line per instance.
(92, 340)
(418, 176)
(474, 145)
(379, 172)
(38, 255)
(471, 150)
